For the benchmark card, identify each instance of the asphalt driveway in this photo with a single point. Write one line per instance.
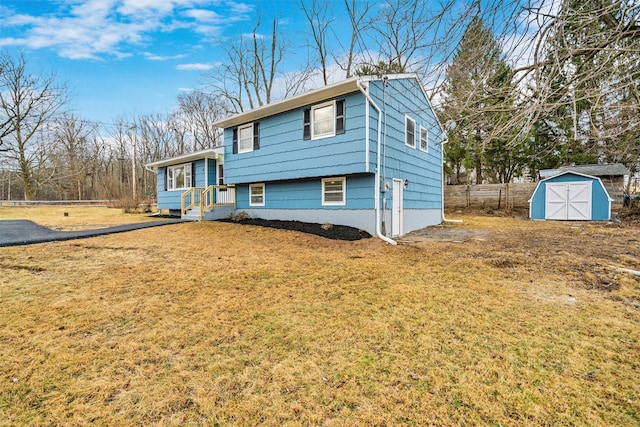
(23, 232)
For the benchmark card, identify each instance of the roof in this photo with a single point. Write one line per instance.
(592, 170)
(331, 91)
(211, 153)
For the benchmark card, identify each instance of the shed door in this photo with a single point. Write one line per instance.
(568, 200)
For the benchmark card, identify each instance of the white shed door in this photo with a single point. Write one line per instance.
(568, 201)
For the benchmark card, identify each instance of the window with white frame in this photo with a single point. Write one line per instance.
(410, 132)
(334, 191)
(179, 177)
(245, 138)
(424, 139)
(324, 120)
(256, 195)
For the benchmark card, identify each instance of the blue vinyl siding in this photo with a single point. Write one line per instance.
(284, 154)
(307, 194)
(171, 199)
(422, 169)
(599, 200)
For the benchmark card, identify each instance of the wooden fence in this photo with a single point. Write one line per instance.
(494, 196)
(506, 196)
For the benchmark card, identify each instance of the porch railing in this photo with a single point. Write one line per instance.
(207, 198)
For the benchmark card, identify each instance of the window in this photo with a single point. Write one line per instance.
(334, 191)
(256, 195)
(220, 174)
(424, 139)
(410, 132)
(180, 177)
(324, 120)
(246, 138)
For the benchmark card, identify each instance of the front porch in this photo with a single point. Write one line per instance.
(207, 204)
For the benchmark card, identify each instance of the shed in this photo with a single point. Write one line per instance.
(570, 196)
(614, 176)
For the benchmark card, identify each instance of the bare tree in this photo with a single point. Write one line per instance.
(73, 160)
(357, 19)
(28, 103)
(252, 74)
(198, 111)
(248, 76)
(317, 14)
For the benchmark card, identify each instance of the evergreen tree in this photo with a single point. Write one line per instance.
(478, 100)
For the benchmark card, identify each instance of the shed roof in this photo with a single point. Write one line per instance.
(569, 172)
(614, 169)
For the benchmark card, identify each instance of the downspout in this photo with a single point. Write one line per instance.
(377, 174)
(444, 141)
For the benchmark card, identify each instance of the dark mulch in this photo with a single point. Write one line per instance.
(329, 231)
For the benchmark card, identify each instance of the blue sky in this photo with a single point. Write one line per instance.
(124, 57)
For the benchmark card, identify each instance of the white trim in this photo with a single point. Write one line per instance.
(424, 150)
(343, 202)
(406, 122)
(212, 153)
(264, 194)
(240, 128)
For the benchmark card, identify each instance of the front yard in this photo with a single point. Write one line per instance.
(496, 321)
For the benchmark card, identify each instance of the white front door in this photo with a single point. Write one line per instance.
(568, 201)
(396, 209)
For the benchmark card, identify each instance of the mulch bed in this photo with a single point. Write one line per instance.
(328, 231)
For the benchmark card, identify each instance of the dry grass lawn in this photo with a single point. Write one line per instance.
(497, 321)
(77, 218)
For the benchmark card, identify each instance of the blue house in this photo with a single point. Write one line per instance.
(570, 196)
(365, 152)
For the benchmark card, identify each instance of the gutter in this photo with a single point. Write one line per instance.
(377, 174)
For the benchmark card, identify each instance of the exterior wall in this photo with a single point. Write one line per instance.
(291, 168)
(284, 154)
(422, 169)
(171, 199)
(301, 200)
(413, 219)
(307, 194)
(599, 202)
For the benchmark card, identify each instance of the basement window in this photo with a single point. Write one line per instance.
(256, 195)
(334, 191)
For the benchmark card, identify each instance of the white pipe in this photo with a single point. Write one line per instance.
(444, 141)
(377, 174)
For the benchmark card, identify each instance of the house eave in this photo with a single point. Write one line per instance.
(331, 91)
(211, 153)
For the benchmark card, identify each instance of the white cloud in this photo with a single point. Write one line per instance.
(194, 67)
(203, 15)
(152, 57)
(83, 29)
